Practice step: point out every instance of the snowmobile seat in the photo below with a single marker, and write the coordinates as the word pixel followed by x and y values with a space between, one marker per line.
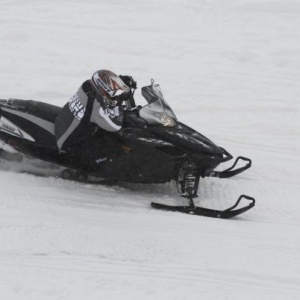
pixel 38 109
pixel 35 118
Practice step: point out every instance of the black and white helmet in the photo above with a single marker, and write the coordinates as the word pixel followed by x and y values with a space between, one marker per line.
pixel 109 85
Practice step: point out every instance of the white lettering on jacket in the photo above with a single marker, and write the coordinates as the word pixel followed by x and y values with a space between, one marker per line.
pixel 76 107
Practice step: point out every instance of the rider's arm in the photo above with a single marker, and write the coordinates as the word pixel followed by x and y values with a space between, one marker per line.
pixel 106 117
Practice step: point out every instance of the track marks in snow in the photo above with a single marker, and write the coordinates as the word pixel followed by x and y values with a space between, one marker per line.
pixel 137 279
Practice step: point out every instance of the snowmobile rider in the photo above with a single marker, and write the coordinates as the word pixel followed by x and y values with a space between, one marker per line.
pixel 95 107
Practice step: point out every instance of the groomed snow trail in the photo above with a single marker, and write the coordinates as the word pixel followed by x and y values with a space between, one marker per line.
pixel 229 70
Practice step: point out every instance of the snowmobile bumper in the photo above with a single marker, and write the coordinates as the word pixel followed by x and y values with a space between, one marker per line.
pixel 230 172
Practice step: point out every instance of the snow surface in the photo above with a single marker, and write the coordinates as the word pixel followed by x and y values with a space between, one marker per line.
pixel 231 70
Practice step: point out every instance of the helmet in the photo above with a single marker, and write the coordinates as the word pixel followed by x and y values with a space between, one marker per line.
pixel 108 85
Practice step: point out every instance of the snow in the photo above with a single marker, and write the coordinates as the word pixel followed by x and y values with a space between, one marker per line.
pixel 229 69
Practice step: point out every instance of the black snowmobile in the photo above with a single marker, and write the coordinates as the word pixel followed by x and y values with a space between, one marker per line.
pixel 154 147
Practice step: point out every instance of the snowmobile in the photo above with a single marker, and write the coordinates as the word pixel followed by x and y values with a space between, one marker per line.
pixel 154 148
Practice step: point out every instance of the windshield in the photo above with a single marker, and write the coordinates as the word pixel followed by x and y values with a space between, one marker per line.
pixel 157 111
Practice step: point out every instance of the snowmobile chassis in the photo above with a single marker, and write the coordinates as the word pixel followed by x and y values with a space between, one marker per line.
pixel 169 149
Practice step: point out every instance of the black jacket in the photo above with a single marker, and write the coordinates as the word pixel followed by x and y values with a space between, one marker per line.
pixel 83 115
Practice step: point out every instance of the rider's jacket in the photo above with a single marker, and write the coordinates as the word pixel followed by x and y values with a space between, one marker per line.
pixel 83 115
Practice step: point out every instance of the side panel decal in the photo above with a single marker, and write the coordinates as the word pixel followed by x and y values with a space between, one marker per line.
pixel 9 127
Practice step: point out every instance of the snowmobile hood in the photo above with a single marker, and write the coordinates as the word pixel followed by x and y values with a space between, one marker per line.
pixel 188 139
pixel 157 113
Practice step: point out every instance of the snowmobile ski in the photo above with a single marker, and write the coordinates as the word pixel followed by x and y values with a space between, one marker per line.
pixel 207 212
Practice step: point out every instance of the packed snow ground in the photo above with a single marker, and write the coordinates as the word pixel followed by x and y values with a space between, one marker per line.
pixel 231 70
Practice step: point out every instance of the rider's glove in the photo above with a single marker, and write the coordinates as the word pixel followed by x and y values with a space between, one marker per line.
pixel 129 81
pixel 123 97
